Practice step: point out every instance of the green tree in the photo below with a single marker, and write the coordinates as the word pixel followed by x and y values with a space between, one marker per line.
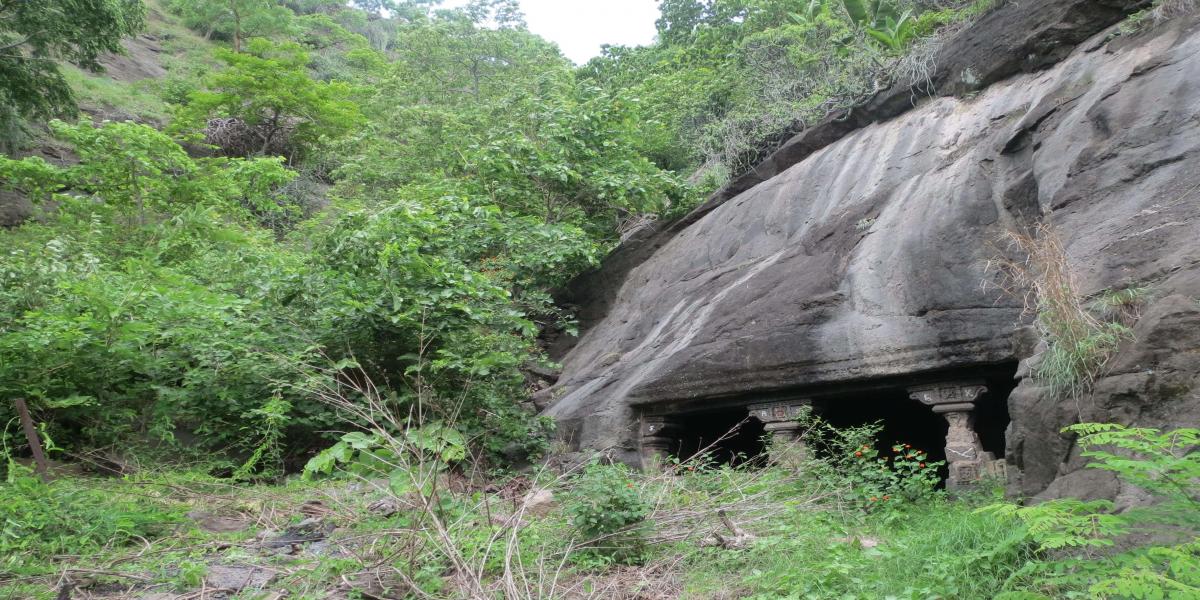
pixel 376 8
pixel 35 36
pixel 146 301
pixel 235 20
pixel 269 90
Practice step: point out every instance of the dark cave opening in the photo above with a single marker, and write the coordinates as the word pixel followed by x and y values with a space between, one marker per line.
pixel 903 420
pixel 907 421
pixel 728 436
pixel 991 413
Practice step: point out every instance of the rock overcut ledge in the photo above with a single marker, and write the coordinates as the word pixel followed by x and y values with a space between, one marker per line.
pixel 860 250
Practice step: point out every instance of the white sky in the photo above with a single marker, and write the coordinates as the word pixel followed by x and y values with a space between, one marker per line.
pixel 579 27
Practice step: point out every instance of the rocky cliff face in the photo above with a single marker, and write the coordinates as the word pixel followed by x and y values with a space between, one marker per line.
pixel 859 252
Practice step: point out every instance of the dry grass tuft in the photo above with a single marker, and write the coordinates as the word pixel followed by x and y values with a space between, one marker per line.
pixel 1080 345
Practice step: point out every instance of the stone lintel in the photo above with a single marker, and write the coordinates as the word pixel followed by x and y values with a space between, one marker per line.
pixel 948 392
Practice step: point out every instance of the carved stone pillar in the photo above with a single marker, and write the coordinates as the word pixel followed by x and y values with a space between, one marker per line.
pixel 955 400
pixel 658 438
pixel 779 420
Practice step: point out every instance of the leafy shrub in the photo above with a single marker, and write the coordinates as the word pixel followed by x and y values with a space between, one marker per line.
pixel 433 447
pixel 878 480
pixel 1089 535
pixel 147 306
pixel 269 104
pixel 608 513
pixel 849 459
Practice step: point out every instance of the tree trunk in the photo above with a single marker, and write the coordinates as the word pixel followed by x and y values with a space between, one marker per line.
pixel 35 443
pixel 237 26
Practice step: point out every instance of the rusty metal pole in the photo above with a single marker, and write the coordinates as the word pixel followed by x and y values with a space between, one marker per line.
pixel 35 442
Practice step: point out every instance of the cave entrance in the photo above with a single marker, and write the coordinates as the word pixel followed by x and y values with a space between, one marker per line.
pixel 729 437
pixel 925 423
pixel 959 417
pixel 904 420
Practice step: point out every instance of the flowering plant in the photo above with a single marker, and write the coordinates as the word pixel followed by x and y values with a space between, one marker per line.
pixel 877 479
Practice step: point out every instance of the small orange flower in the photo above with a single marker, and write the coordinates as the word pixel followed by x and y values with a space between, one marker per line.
pixel 887 497
pixel 873 498
pixel 629 485
pixel 922 465
pixel 908 445
pixel 859 453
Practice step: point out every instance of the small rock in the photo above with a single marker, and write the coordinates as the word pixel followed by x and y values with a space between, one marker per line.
pixel 539 502
pixel 218 523
pixel 315 508
pixel 237 577
pixel 384 507
pixel 309 524
pixel 308 530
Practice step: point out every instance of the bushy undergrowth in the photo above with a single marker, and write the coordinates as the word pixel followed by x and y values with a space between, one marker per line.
pixel 413 521
pixel 1098 548
pixel 166 317
pixel 170 300
pixel 607 509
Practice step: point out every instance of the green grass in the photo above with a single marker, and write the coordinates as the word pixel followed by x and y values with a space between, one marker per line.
pixel 100 93
pixel 185 56
pixel 808 538
pixel 941 549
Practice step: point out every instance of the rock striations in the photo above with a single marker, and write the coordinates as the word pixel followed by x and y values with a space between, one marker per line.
pixel 860 250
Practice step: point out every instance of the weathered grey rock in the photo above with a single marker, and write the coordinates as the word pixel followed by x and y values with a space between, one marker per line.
pixel 539 502
pixel 867 258
pixel 14 209
pixel 238 577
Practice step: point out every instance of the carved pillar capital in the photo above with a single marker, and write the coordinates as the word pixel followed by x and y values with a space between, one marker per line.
pixel 779 421
pixel 779 412
pixel 948 395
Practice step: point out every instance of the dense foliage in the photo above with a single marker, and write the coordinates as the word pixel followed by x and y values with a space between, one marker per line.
pixel 179 287
pixel 387 183
pixel 34 36
pixel 729 79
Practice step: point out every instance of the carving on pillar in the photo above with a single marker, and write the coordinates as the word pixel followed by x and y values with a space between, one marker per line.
pixel 658 435
pixel 779 420
pixel 777 412
pixel 955 400
pixel 953 392
pixel 962 443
